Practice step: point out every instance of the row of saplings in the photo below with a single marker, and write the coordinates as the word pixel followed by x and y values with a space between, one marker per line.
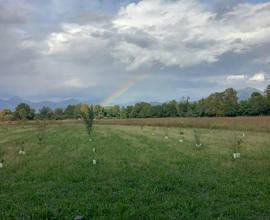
pixel 87 115
pixel 197 136
pixel 20 143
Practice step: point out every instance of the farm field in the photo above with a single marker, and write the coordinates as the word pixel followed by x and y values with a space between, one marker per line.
pixel 137 176
pixel 260 123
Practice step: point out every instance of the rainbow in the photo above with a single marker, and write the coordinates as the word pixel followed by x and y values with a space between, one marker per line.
pixel 123 90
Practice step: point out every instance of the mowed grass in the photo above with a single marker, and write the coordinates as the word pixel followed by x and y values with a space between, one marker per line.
pixel 137 176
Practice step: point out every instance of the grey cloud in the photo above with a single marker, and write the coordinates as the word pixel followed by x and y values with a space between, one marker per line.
pixel 222 7
pixel 264 9
pixel 88 17
pixel 8 16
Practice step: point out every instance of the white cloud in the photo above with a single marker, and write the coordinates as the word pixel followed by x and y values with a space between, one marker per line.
pixel 75 83
pixel 183 33
pixel 236 77
pixel 258 77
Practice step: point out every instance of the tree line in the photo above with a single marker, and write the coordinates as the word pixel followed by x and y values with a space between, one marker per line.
pixel 217 104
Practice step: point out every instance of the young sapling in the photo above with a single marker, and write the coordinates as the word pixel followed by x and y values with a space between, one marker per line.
pixel 166 133
pixel 40 136
pixel 1 163
pixel 22 152
pixel 87 115
pixel 181 133
pixel 197 135
pixel 141 127
pixel 153 131
pixel 237 147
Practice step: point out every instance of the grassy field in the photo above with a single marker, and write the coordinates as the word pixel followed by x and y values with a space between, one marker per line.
pixel 137 176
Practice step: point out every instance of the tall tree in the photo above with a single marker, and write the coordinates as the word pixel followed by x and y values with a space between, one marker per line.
pixel 58 111
pixel 123 112
pixel 69 110
pixel 183 106
pixel 129 110
pixel 200 108
pixel 259 105
pixel 25 112
pixel 46 112
pixel 244 108
pixel 96 110
pixel 77 110
pixel 5 112
pixel 116 111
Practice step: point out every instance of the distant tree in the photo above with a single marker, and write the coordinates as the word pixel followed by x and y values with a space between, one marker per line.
pixel 110 112
pixel 145 111
pixel 96 110
pixel 230 95
pixel 244 108
pixel 169 110
pixel 193 110
pixel 157 111
pixel 23 113
pixel 123 112
pixel 259 105
pixel 46 112
pixel 200 108
pixel 69 110
pixel 77 110
pixel 229 109
pixel 85 110
pixel 116 111
pixel 129 110
pixel 173 102
pixel 137 108
pixel 267 90
pixel 183 106
pixel 218 103
pixel 32 113
pixel 5 112
pixel 102 112
pixel 254 94
pixel 26 112
pixel 209 105
pixel 58 111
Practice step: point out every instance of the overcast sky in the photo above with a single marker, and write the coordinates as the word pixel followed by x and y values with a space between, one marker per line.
pixel 89 50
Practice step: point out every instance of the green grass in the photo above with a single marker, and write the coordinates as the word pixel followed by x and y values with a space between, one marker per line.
pixel 137 176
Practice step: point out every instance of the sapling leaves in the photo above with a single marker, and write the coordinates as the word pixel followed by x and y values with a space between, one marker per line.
pixel 197 135
pixel 88 116
pixel 238 145
pixel 40 136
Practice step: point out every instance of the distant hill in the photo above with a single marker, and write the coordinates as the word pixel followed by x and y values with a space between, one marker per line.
pixel 14 101
pixel 245 93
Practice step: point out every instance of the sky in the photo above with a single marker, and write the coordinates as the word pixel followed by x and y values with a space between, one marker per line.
pixel 122 51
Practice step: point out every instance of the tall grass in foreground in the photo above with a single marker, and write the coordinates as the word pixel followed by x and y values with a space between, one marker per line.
pixel 138 176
